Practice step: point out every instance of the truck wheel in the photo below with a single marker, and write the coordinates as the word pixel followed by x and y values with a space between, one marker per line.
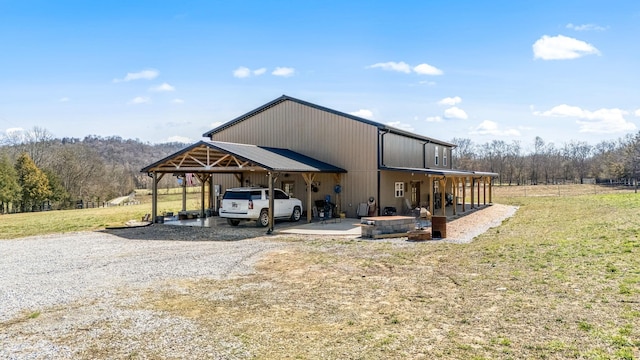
pixel 263 220
pixel 233 222
pixel 295 216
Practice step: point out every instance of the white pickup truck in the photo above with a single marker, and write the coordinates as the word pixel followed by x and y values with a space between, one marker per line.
pixel 251 203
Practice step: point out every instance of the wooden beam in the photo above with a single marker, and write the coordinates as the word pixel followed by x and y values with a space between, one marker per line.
pixel 308 179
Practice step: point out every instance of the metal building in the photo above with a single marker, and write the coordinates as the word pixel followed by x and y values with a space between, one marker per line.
pixel 313 152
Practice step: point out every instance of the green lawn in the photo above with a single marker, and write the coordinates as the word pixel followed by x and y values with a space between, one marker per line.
pixel 58 221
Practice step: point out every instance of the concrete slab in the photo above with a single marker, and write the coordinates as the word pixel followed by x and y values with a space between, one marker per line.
pixel 341 227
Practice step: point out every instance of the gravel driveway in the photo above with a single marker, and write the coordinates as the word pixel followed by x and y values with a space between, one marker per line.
pixel 87 269
pixel 68 296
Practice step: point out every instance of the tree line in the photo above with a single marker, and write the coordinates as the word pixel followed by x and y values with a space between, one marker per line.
pixel 609 161
pixel 38 171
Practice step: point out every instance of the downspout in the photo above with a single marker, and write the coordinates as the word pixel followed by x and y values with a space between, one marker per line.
pixel 380 163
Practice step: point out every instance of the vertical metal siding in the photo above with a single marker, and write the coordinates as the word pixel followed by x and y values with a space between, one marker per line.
pixel 337 140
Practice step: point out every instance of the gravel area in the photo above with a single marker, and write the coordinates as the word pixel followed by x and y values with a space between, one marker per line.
pixel 72 281
pixel 92 283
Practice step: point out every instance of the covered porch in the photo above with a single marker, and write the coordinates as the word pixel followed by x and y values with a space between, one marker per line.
pixel 467 190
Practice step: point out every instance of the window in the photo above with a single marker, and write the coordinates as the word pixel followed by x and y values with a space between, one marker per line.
pixel 399 189
pixel 444 157
pixel 287 187
pixel 437 160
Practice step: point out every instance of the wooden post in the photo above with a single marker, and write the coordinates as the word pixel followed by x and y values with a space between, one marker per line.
pixel 271 203
pixel 431 208
pixel 478 199
pixel 484 190
pixel 491 190
pixel 308 179
pixel 454 194
pixel 473 191
pixel 464 193
pixel 184 192
pixel 154 198
pixel 202 189
pixel 443 192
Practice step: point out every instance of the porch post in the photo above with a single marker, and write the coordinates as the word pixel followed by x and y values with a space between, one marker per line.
pixel 431 208
pixel 184 192
pixel 491 190
pixel 203 182
pixel 271 203
pixel 454 191
pixel 484 190
pixel 154 198
pixel 473 192
pixel 308 179
pixel 464 193
pixel 443 193
pixel 478 199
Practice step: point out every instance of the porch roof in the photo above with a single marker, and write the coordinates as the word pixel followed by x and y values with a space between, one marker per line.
pixel 440 172
pixel 226 157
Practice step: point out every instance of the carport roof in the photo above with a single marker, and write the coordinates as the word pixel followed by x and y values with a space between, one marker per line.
pixel 439 172
pixel 226 157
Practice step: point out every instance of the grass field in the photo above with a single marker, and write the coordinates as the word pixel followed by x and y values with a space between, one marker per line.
pixel 559 280
pixel 58 221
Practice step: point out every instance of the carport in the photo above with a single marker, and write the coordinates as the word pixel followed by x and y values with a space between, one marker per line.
pixel 206 158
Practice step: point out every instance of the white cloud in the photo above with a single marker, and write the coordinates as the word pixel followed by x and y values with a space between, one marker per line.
pixel 434 119
pixel 215 124
pixel 489 127
pixel 179 139
pixel 162 87
pixel 561 48
pixel 242 72
pixel 177 101
pixel 144 75
pixel 450 101
pixel 455 113
pixel 426 69
pixel 637 113
pixel 403 67
pixel 401 126
pixel 283 71
pixel 602 121
pixel 586 27
pixel 140 100
pixel 64 99
pixel 363 113
pixel 393 66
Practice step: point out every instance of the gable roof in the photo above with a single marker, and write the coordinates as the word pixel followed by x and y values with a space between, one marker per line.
pixel 225 157
pixel 284 98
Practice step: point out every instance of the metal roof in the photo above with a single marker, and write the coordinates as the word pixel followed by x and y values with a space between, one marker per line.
pixel 283 98
pixel 439 172
pixel 226 157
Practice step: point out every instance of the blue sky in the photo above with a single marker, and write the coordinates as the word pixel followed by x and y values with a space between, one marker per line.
pixel 171 70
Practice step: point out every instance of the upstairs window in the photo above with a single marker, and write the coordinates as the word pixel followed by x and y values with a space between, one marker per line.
pixel 444 157
pixel 437 159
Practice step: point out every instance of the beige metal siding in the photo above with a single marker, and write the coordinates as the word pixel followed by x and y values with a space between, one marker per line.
pixel 387 189
pixel 340 141
pixel 402 151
